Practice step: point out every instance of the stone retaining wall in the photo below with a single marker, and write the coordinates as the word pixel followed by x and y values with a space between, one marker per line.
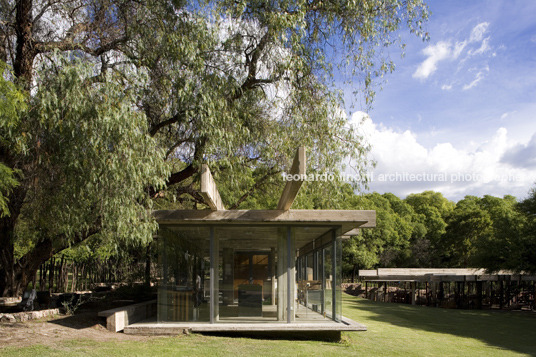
pixel 28 315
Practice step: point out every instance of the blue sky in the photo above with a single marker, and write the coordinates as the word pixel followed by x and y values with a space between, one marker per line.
pixel 459 113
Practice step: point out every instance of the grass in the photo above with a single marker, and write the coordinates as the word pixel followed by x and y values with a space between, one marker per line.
pixel 393 330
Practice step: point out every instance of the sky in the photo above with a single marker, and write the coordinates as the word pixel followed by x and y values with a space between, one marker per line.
pixel 458 115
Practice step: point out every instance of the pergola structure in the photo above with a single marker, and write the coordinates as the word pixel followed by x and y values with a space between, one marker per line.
pixel 272 270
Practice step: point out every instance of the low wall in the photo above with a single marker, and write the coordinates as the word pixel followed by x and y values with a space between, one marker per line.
pixel 117 319
pixel 28 315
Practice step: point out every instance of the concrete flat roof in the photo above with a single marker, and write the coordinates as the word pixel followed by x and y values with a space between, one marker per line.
pixel 347 219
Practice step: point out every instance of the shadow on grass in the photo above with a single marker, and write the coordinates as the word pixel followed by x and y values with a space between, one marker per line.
pixel 515 331
pixel 79 321
pixel 325 336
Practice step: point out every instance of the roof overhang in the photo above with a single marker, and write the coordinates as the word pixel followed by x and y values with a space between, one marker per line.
pixel 347 219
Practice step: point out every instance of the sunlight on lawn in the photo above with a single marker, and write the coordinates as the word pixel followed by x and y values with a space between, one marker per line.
pixel 393 330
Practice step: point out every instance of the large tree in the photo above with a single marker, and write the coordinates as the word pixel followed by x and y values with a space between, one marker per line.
pixel 432 210
pixel 468 226
pixel 509 246
pixel 238 84
pixel 83 164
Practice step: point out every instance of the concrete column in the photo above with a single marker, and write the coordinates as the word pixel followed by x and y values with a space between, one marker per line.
pixel 324 277
pixel 334 281
pixel 286 276
pixel 281 276
pixel 272 274
pixel 291 275
pixel 214 278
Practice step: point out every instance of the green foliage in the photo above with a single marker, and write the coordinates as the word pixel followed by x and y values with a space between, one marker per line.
pixel 241 85
pixel 238 85
pixel 505 247
pixel 362 32
pixel 93 159
pixel 467 226
pixel 386 244
pixel 12 106
pixel 8 181
pixel 427 230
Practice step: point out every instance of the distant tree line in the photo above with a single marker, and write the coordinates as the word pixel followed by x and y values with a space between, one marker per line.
pixel 427 230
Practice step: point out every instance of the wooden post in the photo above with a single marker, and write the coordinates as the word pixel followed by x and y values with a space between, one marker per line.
pixel 412 285
pixel 508 289
pixel 426 293
pixel 441 293
pixel 501 293
pixel 479 294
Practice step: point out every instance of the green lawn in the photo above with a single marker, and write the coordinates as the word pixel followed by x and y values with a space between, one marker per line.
pixel 393 330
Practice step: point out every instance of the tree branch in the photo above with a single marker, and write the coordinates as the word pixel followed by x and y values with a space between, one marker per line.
pixel 68 45
pixel 252 60
pixel 177 117
pixel 254 188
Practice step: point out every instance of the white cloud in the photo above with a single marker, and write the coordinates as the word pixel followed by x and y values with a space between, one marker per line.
pixel 478 32
pixel 446 87
pixel 483 48
pixel 458 48
pixel 478 77
pixel 435 53
pixel 452 50
pixel 521 155
pixel 496 166
pixel 507 114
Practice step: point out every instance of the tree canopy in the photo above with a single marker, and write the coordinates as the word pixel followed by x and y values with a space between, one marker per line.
pixel 112 103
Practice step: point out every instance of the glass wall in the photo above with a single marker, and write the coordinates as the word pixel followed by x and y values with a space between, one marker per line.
pixel 320 274
pixel 247 272
pixel 230 273
pixel 184 274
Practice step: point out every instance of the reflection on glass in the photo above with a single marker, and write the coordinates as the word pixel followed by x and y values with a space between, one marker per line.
pixel 319 275
pixel 257 275
pixel 184 279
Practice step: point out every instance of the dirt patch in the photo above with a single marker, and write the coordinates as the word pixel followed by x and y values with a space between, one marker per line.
pixel 85 325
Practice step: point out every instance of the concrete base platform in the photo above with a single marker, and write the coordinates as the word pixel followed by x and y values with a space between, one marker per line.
pixel 175 328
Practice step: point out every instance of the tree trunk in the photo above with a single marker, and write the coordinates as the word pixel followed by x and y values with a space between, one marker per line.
pixel 25 50
pixel 7 275
pixel 51 265
pixel 7 236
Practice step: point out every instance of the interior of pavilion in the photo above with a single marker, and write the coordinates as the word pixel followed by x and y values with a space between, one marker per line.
pixel 233 273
